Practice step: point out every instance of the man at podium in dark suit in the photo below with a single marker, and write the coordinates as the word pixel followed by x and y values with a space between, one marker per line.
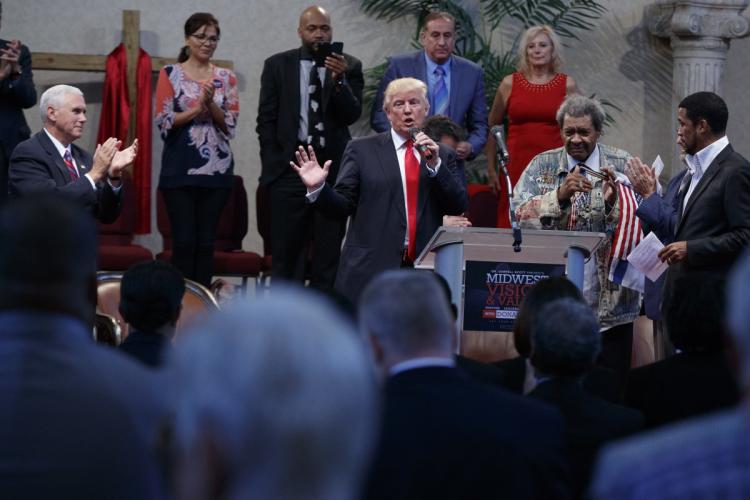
pixel 50 162
pixel 396 190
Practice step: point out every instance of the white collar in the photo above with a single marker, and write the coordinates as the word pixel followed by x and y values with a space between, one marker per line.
pixel 58 145
pixel 705 156
pixel 398 140
pixel 413 364
pixel 592 161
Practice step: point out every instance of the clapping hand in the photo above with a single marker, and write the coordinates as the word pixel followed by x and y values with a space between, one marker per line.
pixel 308 169
pixel 207 93
pixel 103 158
pixel 122 159
pixel 9 57
pixel 609 187
pixel 641 177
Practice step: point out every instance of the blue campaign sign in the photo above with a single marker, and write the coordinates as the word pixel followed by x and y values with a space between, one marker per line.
pixel 493 292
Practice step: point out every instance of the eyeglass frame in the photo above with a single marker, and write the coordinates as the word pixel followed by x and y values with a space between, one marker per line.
pixel 202 39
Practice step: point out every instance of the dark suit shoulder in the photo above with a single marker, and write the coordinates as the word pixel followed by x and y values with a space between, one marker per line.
pixel 463 64
pixel 282 56
pixel 409 57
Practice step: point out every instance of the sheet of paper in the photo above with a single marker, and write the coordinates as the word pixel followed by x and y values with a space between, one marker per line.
pixel 658 166
pixel 645 257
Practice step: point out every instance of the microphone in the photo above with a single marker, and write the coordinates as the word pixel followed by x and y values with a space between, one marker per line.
pixel 502 165
pixel 502 149
pixel 424 151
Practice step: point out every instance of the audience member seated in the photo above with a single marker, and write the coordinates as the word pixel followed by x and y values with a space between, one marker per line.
pixel 445 435
pixel 150 302
pixel 706 457
pixel 698 379
pixel 274 399
pixel 76 418
pixel 518 374
pixel 565 343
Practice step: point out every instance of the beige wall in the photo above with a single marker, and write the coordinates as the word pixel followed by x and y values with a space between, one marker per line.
pixel 618 60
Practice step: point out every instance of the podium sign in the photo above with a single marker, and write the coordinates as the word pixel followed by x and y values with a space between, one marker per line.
pixel 453 249
pixel 493 292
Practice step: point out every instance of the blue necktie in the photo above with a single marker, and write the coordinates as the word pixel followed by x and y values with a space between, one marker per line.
pixel 440 93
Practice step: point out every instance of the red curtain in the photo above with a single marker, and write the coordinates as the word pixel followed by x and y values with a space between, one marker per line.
pixel 114 123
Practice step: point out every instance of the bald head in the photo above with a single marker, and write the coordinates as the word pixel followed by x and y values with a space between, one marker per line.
pixel 314 27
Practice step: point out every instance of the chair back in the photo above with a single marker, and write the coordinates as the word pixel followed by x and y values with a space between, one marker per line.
pixel 482 210
pixel 197 302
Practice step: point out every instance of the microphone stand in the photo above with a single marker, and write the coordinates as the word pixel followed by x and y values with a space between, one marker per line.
pixel 503 166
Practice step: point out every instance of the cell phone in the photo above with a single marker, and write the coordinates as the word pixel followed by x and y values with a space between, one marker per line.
pixel 325 49
pixel 218 83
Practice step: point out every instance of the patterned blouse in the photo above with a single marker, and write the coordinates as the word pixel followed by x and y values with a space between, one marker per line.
pixel 197 153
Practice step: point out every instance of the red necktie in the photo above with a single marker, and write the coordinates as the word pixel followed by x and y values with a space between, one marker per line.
pixel 411 166
pixel 68 159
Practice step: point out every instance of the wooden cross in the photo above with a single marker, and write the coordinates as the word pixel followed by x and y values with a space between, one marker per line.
pixel 131 37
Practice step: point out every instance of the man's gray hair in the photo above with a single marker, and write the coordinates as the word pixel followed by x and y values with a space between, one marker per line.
pixel 54 97
pixel 577 106
pixel 286 390
pixel 738 314
pixel 408 312
pixel 565 338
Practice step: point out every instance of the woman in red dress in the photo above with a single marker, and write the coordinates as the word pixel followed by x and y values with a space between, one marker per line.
pixel 530 98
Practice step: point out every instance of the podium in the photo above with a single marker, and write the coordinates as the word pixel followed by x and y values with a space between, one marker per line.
pixel 451 247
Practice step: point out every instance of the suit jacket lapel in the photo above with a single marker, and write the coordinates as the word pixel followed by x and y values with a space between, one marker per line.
pixel 453 94
pixel 391 170
pixel 293 89
pixel 55 157
pixel 80 161
pixel 327 89
pixel 424 189
pixel 708 176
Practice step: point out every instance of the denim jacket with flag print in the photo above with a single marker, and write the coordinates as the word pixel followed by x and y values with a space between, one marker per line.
pixel 537 207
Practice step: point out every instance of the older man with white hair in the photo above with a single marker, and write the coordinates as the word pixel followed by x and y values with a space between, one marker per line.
pixel 707 457
pixel 274 398
pixel 50 162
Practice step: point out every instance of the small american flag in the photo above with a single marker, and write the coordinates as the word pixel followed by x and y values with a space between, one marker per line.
pixel 627 236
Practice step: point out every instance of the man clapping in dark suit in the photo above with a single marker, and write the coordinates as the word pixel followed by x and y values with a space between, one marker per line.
pixel 50 162
pixel 396 190
pixel 305 101
pixel 709 215
pixel 445 435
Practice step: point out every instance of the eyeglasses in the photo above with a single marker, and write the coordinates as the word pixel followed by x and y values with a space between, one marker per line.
pixel 203 39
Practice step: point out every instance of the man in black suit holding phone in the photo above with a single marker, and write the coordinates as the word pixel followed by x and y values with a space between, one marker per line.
pixel 309 96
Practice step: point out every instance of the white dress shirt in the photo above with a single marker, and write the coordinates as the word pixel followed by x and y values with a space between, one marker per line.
pixel 700 162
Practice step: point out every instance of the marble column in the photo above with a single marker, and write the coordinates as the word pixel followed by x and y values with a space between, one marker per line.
pixel 699 32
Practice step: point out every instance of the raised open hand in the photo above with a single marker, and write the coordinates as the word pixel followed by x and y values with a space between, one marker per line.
pixel 309 170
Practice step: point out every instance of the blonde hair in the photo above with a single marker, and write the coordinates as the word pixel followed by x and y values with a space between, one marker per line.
pixel 528 35
pixel 404 85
